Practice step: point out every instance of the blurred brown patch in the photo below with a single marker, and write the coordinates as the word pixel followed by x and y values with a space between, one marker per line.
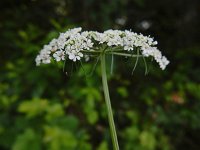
pixel 177 98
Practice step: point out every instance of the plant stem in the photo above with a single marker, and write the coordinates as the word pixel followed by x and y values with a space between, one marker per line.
pixel 108 103
pixel 124 54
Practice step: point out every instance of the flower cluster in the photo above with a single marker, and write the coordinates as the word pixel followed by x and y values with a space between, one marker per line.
pixel 74 44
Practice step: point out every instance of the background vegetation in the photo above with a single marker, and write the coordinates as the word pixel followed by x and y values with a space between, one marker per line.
pixel 44 108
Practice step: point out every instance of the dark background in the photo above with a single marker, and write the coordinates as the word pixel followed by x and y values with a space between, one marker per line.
pixel 43 108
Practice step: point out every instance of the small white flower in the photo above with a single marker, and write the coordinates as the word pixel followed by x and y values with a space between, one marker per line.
pixel 38 60
pixel 61 41
pixel 59 55
pixel 73 55
pixel 163 63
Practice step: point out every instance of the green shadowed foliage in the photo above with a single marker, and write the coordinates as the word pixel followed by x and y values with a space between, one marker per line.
pixel 56 108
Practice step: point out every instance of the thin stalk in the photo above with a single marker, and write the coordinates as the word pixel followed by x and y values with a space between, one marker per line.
pixel 90 51
pixel 124 54
pixel 108 103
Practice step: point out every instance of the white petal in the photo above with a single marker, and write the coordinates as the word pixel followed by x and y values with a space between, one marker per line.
pixel 78 58
pixel 71 56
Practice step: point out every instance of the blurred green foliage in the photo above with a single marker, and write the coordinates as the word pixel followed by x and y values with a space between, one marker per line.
pixel 48 108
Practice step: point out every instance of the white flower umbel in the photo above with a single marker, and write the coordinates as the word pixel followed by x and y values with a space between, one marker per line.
pixel 76 45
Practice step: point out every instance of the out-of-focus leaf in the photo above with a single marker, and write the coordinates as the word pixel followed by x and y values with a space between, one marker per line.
pixel 59 139
pixel 33 107
pixel 148 140
pixel 29 140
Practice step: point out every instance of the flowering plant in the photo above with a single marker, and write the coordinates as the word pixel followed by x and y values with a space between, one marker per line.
pixel 75 45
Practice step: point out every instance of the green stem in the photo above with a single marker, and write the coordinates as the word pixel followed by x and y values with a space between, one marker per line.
pixel 124 54
pixel 108 103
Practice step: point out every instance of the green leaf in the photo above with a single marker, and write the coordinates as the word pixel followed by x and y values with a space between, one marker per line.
pixel 54 111
pixel 59 139
pixel 92 117
pixel 122 91
pixel 33 107
pixel 29 140
pixel 103 146
pixel 147 140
